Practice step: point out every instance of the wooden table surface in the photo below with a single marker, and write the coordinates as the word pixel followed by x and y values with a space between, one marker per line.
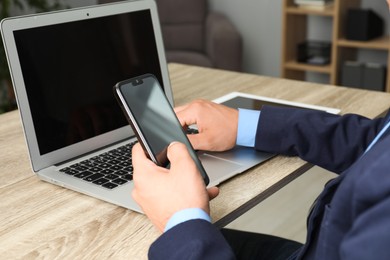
pixel 43 221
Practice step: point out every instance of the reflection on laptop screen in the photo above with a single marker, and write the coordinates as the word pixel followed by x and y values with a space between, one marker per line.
pixel 69 71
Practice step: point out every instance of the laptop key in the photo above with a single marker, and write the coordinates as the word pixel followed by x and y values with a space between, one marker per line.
pixel 95 169
pixel 119 181
pixel 94 177
pixel 116 167
pixel 75 165
pixel 104 165
pixel 83 174
pixel 128 177
pixel 101 181
pixel 65 169
pixel 125 163
pixel 128 169
pixel 108 157
pixel 80 168
pixel 121 172
pixel 111 176
pixel 123 158
pixel 114 162
pixel 88 163
pixel 109 185
pixel 106 171
pixel 71 172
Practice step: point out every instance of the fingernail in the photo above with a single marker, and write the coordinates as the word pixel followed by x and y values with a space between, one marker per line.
pixel 173 143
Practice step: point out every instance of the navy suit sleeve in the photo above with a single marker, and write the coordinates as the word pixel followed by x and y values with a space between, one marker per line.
pixel 331 141
pixel 194 239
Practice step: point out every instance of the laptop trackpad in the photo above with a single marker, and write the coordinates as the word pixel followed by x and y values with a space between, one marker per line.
pixel 218 169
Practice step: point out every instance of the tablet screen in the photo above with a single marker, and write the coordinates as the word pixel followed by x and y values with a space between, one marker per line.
pixel 254 104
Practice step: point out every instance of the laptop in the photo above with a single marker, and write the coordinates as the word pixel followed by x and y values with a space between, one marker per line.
pixel 63 66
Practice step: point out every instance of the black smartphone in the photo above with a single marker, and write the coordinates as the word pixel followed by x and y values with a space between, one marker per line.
pixel 153 119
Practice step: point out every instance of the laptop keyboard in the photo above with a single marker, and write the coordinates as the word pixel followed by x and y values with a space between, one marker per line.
pixel 109 170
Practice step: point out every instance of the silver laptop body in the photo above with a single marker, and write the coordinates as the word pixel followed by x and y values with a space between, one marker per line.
pixel 63 66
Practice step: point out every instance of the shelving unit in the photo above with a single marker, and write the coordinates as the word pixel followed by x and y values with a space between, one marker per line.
pixel 295 23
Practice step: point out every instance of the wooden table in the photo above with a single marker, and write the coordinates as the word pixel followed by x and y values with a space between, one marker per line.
pixel 41 220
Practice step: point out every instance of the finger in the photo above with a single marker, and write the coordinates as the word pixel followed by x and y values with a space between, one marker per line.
pixel 196 141
pixel 180 108
pixel 138 154
pixel 139 159
pixel 177 153
pixel 181 159
pixel 213 192
pixel 186 117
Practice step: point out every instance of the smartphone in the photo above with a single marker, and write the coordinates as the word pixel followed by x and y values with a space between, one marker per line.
pixel 153 119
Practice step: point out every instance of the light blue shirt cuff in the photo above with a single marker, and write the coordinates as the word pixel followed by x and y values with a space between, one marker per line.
pixel 247 127
pixel 185 215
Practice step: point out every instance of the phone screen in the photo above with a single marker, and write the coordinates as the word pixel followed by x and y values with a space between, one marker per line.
pixel 153 119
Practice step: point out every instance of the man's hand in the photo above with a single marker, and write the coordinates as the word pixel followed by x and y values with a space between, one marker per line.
pixel 217 125
pixel 162 192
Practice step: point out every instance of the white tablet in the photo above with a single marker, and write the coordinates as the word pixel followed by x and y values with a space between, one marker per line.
pixel 249 101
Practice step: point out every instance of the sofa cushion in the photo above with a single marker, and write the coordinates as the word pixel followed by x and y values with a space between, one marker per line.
pixel 182 11
pixel 184 37
pixel 182 23
pixel 192 58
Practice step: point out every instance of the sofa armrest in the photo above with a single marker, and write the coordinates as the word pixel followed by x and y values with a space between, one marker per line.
pixel 223 42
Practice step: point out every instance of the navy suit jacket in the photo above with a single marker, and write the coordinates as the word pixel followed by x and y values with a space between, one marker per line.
pixel 351 217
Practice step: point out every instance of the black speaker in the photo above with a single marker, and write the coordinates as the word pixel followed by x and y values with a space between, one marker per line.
pixel 363 25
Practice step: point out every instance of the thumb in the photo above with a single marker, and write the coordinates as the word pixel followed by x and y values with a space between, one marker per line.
pixel 178 154
pixel 182 162
pixel 213 192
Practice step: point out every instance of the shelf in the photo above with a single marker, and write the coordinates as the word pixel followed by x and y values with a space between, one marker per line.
pixel 382 43
pixel 293 65
pixel 295 31
pixel 326 11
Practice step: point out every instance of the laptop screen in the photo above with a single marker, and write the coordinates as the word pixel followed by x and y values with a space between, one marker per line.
pixel 70 69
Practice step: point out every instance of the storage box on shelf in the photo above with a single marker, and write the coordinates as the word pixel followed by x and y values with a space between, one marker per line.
pixel 294 32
